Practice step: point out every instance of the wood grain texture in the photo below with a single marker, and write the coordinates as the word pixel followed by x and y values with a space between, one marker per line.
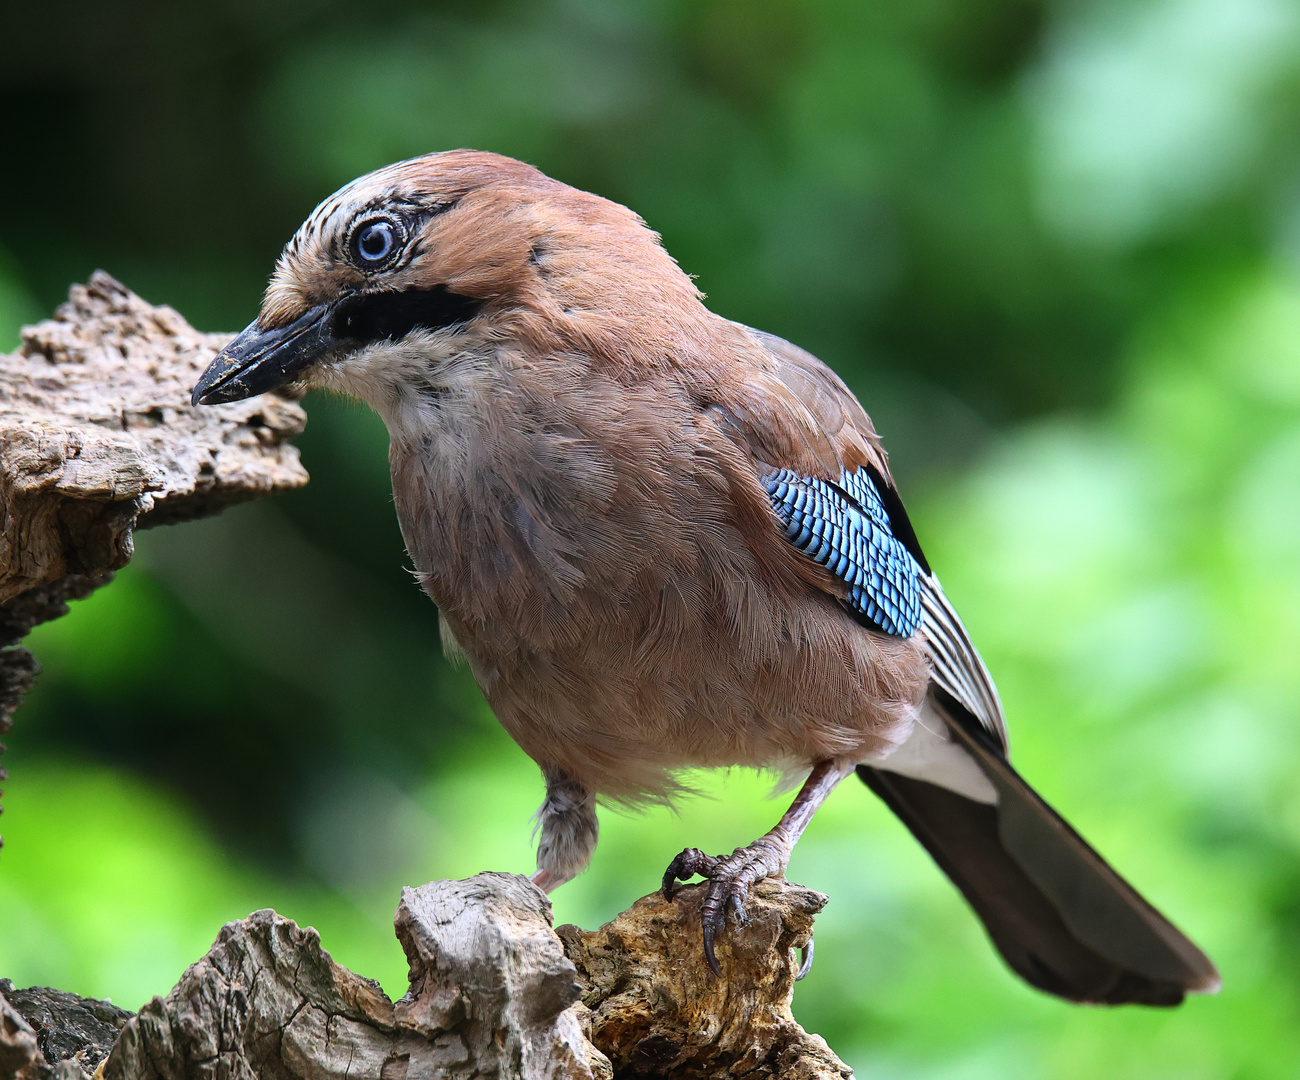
pixel 656 1010
pixel 494 992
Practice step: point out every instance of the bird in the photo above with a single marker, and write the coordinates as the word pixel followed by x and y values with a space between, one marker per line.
pixel 664 540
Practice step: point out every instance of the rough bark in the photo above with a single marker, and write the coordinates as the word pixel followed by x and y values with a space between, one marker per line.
pixel 494 992
pixel 46 1033
pixel 20 1056
pixel 98 438
pixel 657 1010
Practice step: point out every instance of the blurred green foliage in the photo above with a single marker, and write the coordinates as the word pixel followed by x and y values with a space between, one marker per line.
pixel 1053 247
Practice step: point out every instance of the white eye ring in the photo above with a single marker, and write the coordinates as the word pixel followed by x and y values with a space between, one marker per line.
pixel 373 242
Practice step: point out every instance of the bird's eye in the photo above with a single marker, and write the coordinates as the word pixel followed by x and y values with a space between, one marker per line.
pixel 373 242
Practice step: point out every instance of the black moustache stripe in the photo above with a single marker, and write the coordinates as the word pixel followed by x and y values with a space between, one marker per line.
pixel 390 316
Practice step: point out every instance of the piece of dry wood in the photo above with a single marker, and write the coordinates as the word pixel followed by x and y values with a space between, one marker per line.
pixel 47 1033
pixel 657 1010
pixel 98 438
pixel 494 992
pixel 20 1055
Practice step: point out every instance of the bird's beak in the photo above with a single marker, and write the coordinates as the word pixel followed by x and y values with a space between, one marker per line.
pixel 260 360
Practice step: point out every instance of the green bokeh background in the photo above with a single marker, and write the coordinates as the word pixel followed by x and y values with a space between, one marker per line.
pixel 1054 247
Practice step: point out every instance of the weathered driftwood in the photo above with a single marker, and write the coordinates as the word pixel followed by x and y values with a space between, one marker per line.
pixel 97 439
pixel 494 992
pixel 491 995
pixel 656 1010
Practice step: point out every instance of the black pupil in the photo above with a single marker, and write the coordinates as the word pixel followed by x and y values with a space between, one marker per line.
pixel 376 241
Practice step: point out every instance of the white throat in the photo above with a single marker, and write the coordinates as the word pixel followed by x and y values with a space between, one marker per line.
pixel 414 383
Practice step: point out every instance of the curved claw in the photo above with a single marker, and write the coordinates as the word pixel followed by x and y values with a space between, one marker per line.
pixel 729 881
pixel 718 900
pixel 805 961
pixel 690 862
pixel 731 876
pixel 708 948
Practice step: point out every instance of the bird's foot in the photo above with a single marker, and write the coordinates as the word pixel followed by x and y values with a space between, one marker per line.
pixel 729 877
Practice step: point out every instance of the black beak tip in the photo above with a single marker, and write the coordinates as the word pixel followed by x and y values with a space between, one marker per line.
pixel 216 385
pixel 213 392
pixel 258 360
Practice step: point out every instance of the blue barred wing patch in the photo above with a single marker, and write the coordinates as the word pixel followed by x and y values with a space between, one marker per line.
pixel 845 527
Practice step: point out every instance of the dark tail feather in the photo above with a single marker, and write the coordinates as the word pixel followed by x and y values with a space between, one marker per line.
pixel 1060 916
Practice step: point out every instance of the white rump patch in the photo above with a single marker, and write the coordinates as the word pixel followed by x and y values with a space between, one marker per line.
pixel 930 754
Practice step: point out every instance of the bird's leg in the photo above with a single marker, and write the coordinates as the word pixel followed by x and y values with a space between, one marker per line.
pixel 730 876
pixel 568 827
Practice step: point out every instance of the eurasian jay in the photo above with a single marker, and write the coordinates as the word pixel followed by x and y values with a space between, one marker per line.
pixel 664 540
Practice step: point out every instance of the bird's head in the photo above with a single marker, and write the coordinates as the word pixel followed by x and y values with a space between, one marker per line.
pixel 444 246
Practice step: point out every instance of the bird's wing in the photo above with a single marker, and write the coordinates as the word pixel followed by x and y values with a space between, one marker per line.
pixel 827 476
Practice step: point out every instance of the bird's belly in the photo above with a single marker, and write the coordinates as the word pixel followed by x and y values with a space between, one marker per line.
pixel 627 619
pixel 622 719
